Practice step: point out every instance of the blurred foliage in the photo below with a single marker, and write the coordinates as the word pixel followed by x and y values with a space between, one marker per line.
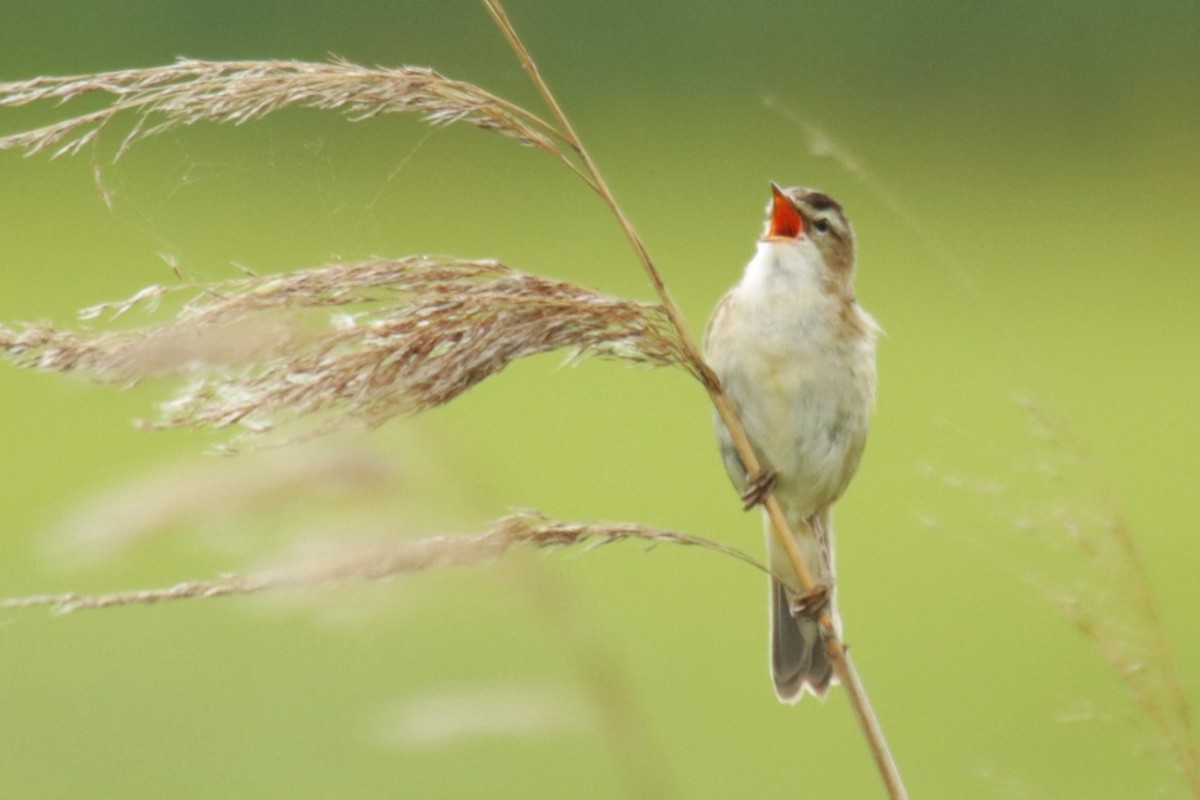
pixel 1025 197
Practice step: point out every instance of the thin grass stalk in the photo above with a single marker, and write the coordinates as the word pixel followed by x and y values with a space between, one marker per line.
pixel 843 666
pixel 644 766
pixel 1172 715
pixel 1181 739
pixel 1180 734
pixel 696 361
pixel 189 91
pixel 529 529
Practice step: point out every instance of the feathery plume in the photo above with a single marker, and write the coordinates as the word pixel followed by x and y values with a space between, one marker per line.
pixel 529 529
pixel 1069 540
pixel 190 91
pixel 218 494
pixel 424 330
pixel 447 717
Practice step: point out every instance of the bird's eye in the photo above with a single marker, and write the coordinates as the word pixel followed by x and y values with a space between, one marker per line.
pixel 822 225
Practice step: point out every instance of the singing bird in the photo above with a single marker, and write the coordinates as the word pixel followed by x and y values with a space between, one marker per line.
pixel 795 354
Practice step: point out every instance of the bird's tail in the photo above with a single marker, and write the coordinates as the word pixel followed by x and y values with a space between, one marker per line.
pixel 799 659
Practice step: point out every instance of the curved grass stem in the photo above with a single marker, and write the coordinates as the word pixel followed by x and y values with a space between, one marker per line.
pixel 843 666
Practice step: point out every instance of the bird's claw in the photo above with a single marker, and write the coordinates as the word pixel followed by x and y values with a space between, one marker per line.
pixel 810 604
pixel 759 486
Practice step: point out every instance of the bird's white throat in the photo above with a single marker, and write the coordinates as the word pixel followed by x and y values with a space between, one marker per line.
pixel 783 267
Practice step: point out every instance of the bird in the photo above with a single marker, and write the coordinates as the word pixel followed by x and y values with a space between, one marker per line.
pixel 795 356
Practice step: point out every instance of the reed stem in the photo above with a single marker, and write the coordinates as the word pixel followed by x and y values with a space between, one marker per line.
pixel 843 666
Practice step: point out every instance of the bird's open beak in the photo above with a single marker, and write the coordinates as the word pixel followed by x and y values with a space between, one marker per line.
pixel 786 222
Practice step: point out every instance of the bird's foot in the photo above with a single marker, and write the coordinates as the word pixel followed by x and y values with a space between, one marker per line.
pixel 812 603
pixel 759 485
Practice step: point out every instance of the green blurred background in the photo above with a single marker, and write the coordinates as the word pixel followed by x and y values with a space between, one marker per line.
pixel 1028 182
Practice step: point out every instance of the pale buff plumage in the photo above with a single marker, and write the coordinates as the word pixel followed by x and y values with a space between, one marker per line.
pixel 796 356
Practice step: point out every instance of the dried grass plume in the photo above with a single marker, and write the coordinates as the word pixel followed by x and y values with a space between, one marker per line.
pixel 190 91
pixel 372 340
pixel 404 557
pixel 1058 528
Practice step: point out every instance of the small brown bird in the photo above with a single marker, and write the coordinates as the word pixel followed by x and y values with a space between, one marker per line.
pixel 796 356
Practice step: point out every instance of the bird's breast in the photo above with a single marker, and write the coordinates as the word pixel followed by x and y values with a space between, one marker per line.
pixel 804 386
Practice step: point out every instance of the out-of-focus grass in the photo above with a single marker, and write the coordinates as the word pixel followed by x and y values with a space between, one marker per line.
pixel 1048 149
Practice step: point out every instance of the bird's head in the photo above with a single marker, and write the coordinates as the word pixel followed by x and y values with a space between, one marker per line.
pixel 795 214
